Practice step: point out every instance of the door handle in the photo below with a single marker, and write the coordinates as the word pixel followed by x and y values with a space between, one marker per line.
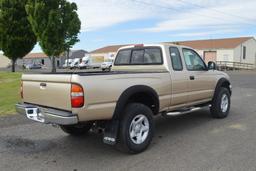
pixel 192 77
pixel 43 84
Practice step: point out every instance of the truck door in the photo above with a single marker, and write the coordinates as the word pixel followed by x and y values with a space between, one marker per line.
pixel 201 81
pixel 179 79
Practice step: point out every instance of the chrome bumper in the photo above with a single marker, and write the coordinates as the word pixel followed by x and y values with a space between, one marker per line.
pixel 46 115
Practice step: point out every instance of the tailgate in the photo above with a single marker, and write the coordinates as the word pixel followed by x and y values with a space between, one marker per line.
pixel 47 90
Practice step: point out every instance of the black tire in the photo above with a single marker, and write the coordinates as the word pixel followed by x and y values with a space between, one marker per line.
pixel 77 130
pixel 125 142
pixel 103 69
pixel 216 109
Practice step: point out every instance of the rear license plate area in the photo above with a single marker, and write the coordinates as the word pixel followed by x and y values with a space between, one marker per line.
pixel 34 114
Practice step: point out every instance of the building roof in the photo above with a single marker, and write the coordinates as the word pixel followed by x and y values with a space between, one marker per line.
pixel 35 55
pixel 229 43
pixel 72 54
pixel 108 49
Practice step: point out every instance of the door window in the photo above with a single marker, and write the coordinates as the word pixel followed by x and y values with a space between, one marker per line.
pixel 193 61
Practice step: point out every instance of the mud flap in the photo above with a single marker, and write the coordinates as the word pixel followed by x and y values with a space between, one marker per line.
pixel 110 132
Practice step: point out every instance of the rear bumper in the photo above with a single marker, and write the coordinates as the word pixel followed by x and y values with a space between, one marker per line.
pixel 46 115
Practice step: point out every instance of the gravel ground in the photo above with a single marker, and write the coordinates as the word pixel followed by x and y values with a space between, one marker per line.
pixel 190 142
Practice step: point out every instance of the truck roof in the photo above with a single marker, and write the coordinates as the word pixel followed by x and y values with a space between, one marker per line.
pixel 150 45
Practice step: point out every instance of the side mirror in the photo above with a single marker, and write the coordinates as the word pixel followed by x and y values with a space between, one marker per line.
pixel 212 65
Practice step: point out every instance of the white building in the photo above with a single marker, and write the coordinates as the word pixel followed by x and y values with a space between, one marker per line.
pixel 105 54
pixel 240 50
pixel 4 61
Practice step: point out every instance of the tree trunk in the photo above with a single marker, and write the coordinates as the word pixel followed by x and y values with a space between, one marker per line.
pixel 13 65
pixel 53 65
pixel 68 58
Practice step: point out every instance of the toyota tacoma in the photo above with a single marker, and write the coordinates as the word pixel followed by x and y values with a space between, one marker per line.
pixel 146 80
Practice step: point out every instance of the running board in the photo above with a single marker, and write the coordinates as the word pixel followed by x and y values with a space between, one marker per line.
pixel 176 113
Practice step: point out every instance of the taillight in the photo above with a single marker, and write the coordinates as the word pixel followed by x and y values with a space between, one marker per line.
pixel 21 89
pixel 77 96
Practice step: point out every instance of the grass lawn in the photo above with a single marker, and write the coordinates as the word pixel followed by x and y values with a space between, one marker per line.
pixel 9 92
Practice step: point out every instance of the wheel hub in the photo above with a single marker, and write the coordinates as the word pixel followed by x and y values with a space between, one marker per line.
pixel 139 129
pixel 224 103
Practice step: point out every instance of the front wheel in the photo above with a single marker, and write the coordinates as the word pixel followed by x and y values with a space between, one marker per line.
pixel 221 104
pixel 77 130
pixel 136 128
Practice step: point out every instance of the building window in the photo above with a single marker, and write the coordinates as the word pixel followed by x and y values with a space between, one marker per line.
pixel 42 61
pixel 244 52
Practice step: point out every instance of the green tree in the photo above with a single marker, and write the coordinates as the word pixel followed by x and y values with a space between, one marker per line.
pixel 56 25
pixel 16 35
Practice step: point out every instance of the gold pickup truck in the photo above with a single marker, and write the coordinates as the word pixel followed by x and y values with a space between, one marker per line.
pixel 146 80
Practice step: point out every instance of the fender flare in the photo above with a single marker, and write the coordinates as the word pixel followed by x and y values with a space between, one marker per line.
pixel 220 84
pixel 127 94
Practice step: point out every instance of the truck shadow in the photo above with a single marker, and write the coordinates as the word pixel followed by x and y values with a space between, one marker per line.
pixel 166 128
pixel 178 124
pixel 92 147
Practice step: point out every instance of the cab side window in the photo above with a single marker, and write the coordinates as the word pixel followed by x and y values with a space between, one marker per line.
pixel 176 59
pixel 193 61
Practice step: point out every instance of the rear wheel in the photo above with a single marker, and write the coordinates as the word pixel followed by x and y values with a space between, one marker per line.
pixel 77 130
pixel 136 128
pixel 221 104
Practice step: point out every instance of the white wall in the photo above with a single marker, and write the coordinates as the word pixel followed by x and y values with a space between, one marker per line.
pixel 250 52
pixel 4 61
pixel 225 55
pixel 101 57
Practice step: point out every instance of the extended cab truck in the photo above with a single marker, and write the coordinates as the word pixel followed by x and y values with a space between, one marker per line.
pixel 146 80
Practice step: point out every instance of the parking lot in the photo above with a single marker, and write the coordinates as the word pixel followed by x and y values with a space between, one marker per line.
pixel 189 142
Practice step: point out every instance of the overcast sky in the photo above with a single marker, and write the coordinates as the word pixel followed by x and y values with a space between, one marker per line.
pixel 107 22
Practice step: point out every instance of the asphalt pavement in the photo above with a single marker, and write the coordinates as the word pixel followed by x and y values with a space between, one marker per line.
pixel 190 142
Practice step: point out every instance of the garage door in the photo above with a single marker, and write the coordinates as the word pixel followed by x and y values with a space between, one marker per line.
pixel 210 56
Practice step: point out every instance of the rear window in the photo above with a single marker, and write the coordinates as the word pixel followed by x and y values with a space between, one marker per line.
pixel 142 56
pixel 137 57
